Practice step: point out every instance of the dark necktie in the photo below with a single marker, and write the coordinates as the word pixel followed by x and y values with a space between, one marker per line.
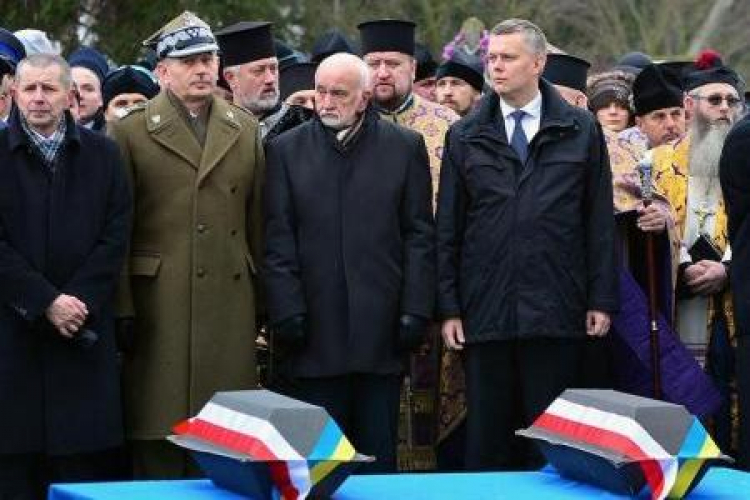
pixel 518 141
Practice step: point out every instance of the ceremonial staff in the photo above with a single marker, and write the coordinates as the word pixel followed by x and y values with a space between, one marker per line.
pixel 644 171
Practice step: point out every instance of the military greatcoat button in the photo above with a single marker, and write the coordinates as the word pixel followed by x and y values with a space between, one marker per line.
pixel 200 272
pixel 202 228
pixel 233 189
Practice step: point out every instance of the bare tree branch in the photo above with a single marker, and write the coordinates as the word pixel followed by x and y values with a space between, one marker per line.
pixel 710 26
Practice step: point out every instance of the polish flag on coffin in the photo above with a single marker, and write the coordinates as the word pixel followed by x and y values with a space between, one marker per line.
pixel 622 442
pixel 265 445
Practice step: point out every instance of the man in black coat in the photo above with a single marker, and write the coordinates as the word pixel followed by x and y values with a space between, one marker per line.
pixel 525 246
pixel 64 223
pixel 734 172
pixel 349 263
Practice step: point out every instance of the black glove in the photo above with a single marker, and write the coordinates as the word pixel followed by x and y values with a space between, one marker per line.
pixel 291 333
pixel 411 332
pixel 85 338
pixel 125 335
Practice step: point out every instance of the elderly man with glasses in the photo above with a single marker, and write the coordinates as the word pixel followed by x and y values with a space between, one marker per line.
pixel 688 173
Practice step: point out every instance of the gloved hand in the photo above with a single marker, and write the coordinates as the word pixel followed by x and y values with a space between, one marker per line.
pixel 291 333
pixel 411 332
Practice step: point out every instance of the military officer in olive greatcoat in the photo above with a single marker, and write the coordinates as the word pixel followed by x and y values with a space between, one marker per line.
pixel 196 165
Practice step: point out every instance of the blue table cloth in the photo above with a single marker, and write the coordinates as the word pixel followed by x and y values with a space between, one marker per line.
pixel 719 483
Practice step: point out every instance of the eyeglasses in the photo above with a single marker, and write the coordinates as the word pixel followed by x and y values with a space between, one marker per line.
pixel 716 99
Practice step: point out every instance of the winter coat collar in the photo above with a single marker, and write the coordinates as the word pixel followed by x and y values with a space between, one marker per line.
pixel 370 116
pixel 18 138
pixel 166 126
pixel 487 117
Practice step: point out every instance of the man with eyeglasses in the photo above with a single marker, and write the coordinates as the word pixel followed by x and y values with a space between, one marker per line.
pixel 687 172
pixel 196 162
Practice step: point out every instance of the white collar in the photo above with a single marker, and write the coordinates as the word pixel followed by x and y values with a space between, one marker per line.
pixel 533 108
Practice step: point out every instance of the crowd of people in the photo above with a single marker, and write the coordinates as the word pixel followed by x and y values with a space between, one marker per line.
pixel 430 250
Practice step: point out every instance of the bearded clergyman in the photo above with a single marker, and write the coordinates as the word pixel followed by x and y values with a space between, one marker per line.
pixel 687 172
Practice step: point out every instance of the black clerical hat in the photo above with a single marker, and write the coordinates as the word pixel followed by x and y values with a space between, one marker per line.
pixel 679 69
pixel 567 71
pixel 656 87
pixel 245 42
pixel 709 68
pixel 329 43
pixel 426 64
pixel 464 66
pixel 387 35
pixel 300 76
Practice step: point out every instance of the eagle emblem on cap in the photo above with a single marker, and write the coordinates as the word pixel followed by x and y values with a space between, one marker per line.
pixel 190 19
pixel 184 35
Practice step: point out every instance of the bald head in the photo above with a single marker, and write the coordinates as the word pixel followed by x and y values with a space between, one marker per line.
pixel 348 63
pixel 342 90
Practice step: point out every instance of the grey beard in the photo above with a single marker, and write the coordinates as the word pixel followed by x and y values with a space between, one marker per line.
pixel 260 106
pixel 334 123
pixel 706 141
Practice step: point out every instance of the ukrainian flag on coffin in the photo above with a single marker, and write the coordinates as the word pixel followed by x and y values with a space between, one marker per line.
pixel 265 445
pixel 622 442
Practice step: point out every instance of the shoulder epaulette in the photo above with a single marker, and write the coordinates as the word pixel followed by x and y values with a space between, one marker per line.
pixel 243 111
pixel 132 109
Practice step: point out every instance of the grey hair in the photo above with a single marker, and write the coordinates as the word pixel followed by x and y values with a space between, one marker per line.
pixel 533 35
pixel 44 60
pixel 350 60
pixel 236 67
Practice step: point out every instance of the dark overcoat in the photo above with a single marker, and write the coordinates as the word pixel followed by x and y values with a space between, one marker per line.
pixel 525 251
pixel 291 116
pixel 62 232
pixel 734 169
pixel 349 242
